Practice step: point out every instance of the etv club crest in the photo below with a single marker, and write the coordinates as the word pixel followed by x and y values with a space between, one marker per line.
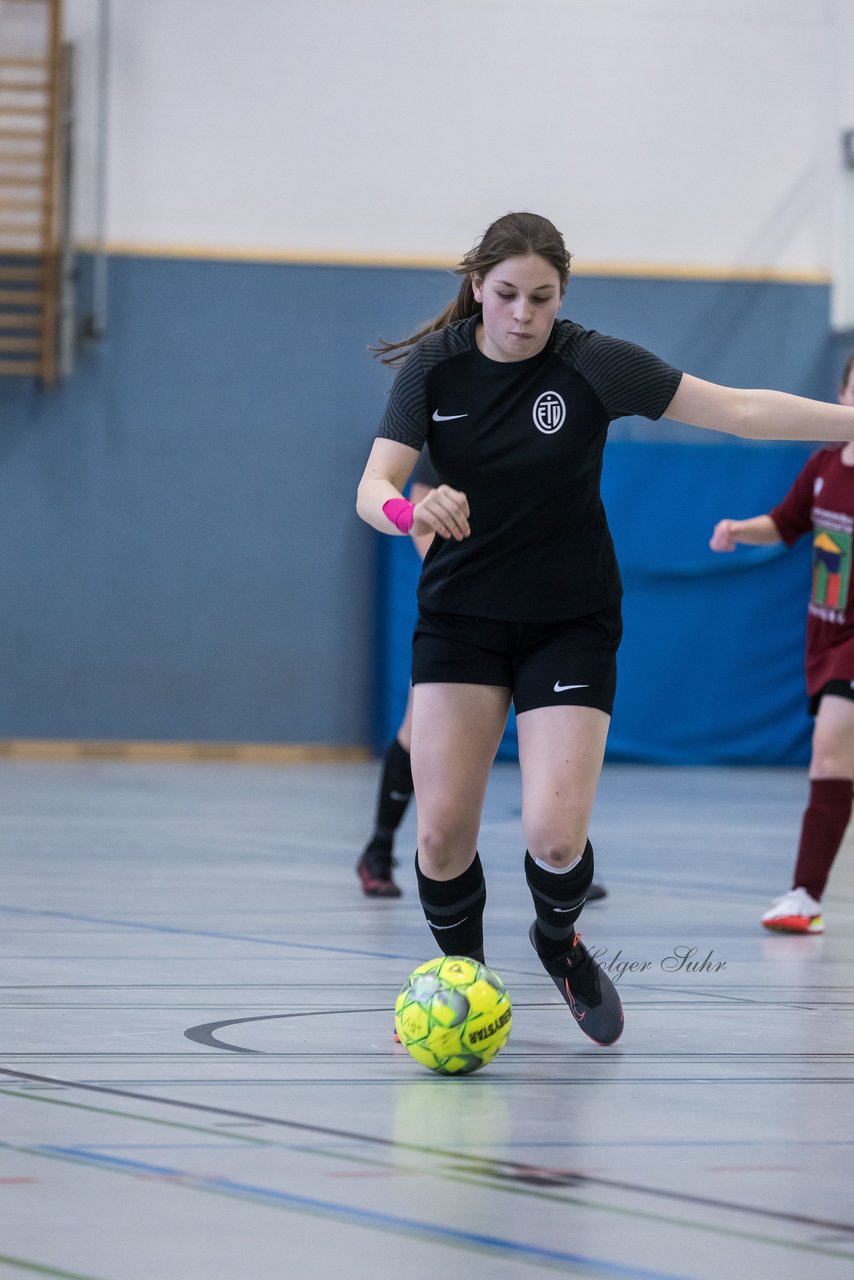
pixel 549 412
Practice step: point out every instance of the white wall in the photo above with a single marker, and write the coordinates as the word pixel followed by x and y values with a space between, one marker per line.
pixel 674 132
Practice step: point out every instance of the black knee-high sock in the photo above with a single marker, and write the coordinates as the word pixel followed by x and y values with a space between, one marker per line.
pixel 395 792
pixel 558 899
pixel 454 910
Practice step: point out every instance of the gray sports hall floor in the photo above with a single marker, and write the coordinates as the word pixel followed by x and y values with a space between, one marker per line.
pixel 198 1078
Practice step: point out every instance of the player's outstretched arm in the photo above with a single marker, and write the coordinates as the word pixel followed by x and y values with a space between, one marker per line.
pixel 757 414
pixel 758 531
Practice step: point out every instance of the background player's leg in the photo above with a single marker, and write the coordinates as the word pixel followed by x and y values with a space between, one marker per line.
pixel 824 822
pixel 374 867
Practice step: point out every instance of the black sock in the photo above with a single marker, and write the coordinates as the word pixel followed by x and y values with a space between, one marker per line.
pixel 394 795
pixel 454 910
pixel 558 899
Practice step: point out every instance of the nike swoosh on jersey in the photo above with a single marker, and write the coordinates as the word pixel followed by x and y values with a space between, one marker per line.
pixel 447 417
pixel 562 688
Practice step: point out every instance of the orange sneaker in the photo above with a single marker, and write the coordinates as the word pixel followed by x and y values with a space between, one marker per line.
pixel 796 912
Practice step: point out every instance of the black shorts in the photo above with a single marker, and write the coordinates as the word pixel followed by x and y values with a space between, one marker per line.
pixel 544 664
pixel 839 689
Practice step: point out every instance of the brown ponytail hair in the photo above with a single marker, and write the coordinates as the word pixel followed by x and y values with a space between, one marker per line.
pixel 513 236
pixel 846 372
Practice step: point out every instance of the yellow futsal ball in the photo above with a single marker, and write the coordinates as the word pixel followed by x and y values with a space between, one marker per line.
pixel 453 1014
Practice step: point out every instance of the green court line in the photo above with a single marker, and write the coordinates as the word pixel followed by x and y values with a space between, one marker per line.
pixel 592 1268
pixel 476 1168
pixel 131 1115
pixel 475 1165
pixel 686 1223
pixel 489 1180
pixel 36 1269
pixel 484 1179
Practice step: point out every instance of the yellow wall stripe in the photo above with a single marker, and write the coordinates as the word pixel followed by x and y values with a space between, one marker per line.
pixel 320 258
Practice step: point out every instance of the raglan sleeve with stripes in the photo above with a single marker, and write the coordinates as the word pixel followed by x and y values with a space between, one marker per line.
pixel 406 417
pixel 627 378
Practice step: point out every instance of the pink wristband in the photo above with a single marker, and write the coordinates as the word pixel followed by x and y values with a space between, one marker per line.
pixel 400 512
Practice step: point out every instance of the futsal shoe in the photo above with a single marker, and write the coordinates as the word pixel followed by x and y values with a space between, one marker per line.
pixel 374 869
pixel 796 912
pixel 596 892
pixel 586 988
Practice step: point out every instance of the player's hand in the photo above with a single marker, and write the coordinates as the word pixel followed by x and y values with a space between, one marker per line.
pixel 444 511
pixel 723 539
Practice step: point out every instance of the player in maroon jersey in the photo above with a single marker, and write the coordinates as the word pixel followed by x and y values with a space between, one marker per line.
pixel 820 503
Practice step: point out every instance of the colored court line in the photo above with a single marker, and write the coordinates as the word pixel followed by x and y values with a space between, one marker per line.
pixel 389 1166
pixel 481 1173
pixel 386 1168
pixel 36 1269
pixel 423 1229
pixel 131 1115
pixel 500 1168
pixel 687 1224
pixel 715 1145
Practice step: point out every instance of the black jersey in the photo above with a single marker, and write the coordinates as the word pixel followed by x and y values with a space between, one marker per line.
pixel 524 441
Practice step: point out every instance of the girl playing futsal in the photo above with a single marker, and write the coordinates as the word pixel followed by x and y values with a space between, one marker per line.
pixel 519 596
pixel 375 866
pixel 820 502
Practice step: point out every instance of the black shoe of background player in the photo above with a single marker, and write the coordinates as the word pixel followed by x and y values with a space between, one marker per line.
pixel 374 869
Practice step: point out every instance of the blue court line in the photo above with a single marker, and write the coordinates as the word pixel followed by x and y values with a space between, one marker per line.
pixel 201 933
pixel 363 1217
pixel 162 1146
